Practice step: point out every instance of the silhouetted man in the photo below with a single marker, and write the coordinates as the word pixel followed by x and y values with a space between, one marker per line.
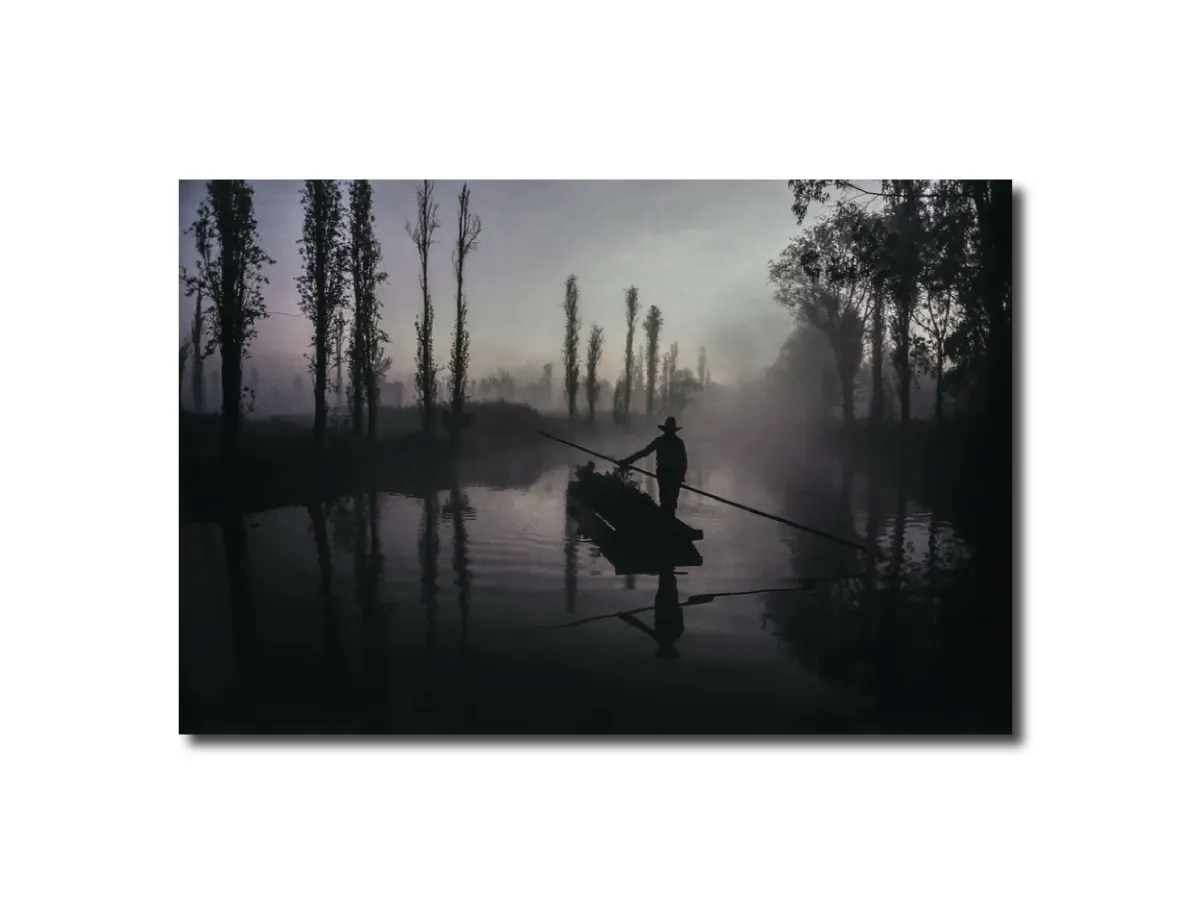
pixel 671 463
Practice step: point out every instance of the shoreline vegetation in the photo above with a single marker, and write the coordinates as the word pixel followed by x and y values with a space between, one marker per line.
pixel 278 464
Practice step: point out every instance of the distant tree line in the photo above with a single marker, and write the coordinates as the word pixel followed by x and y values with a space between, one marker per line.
pixel 660 387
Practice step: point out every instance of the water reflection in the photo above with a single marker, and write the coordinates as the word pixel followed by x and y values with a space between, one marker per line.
pixel 898 558
pixel 909 645
pixel 235 554
pixel 428 562
pixel 932 563
pixel 332 658
pixel 374 629
pixel 668 625
pixel 880 636
pixel 459 510
pixel 667 617
pixel 343 524
pixel 352 525
pixel 822 500
pixel 570 549
pixel 825 625
pixel 872 521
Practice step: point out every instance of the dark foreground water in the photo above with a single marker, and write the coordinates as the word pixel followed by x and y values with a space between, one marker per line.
pixel 454 614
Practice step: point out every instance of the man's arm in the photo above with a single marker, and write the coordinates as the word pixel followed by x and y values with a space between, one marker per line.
pixel 644 452
pixel 682 462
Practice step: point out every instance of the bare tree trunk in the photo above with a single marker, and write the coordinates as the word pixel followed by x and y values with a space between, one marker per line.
pixel 458 360
pixel 339 363
pixel 373 404
pixel 230 356
pixel 595 350
pixel 903 379
pixel 371 389
pixel 422 235
pixel 231 377
pixel 939 381
pixel 321 266
pixel 901 355
pixel 468 230
pixel 847 394
pixel 320 386
pixel 876 404
pixel 357 367
pixel 183 354
pixel 196 346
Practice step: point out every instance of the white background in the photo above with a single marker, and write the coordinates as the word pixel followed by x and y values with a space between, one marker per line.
pixel 107 105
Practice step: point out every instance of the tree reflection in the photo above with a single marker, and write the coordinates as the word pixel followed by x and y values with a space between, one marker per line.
pixel 822 626
pixel 374 628
pixel 570 550
pixel 332 649
pixel 459 510
pixel 932 565
pixel 241 623
pixel 898 556
pixel 428 560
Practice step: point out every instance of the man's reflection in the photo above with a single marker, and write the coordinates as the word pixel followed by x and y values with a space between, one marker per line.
pixel 667 617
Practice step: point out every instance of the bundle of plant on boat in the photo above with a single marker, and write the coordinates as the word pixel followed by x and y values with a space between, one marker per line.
pixel 615 496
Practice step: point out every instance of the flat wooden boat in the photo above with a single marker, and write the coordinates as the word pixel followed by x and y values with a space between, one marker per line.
pixel 629 527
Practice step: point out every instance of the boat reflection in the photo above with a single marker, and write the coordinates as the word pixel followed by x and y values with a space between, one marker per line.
pixel 668 609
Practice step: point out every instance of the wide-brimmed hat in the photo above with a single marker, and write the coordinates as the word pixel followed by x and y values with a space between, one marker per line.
pixel 670 425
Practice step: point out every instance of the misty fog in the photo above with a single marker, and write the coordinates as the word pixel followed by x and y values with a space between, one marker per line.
pixel 392 427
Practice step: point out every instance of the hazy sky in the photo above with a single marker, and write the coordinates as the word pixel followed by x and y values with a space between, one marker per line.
pixel 697 250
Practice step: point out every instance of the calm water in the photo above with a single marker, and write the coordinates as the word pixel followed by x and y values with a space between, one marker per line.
pixel 452 614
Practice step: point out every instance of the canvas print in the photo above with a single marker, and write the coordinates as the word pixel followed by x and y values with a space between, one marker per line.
pixel 596 458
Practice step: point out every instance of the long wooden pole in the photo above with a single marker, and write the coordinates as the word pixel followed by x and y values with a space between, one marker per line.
pixel 734 504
